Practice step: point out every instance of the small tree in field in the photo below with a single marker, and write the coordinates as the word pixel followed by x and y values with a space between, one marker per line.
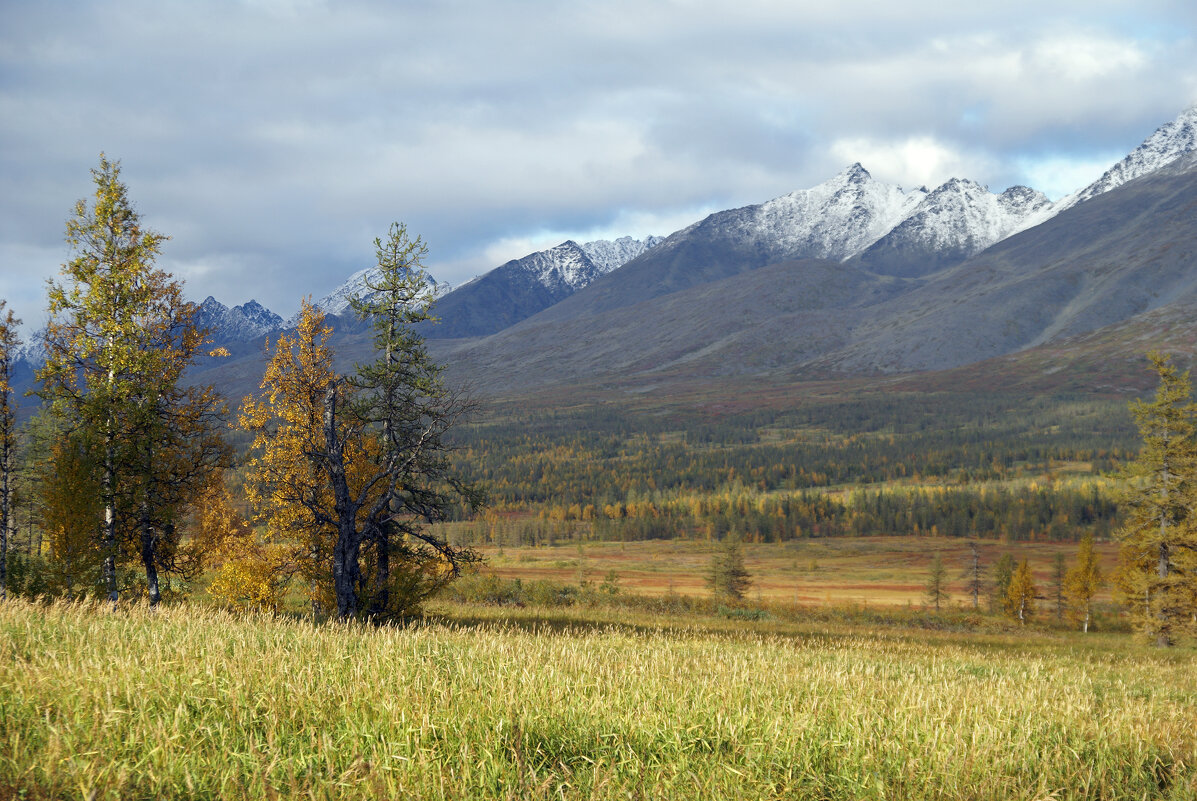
pixel 1003 574
pixel 974 575
pixel 727 576
pixel 1082 583
pixel 1020 595
pixel 1059 574
pixel 937 584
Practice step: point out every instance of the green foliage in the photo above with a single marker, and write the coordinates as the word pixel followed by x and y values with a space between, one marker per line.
pixel 727 577
pixel 937 588
pixel 118 341
pixel 765 474
pixel 1003 574
pixel 8 437
pixel 1081 584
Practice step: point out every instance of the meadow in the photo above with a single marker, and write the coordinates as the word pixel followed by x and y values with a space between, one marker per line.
pixel 882 571
pixel 492 703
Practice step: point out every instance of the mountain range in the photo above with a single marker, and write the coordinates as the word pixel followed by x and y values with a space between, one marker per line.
pixel 851 277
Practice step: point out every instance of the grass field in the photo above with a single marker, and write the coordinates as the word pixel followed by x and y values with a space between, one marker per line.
pixel 862 570
pixel 188 703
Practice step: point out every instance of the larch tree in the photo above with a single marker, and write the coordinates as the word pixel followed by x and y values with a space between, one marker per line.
pixel 1081 584
pixel 727 576
pixel 8 437
pixel 1003 574
pixel 1059 574
pixel 401 396
pixel 1159 538
pixel 1021 593
pixel 283 481
pixel 975 582
pixel 937 582
pixel 119 337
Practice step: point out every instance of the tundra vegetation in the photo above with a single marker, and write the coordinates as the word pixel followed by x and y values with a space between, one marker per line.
pixel 820 596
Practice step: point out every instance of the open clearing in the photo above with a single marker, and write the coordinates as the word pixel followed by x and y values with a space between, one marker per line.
pixel 861 570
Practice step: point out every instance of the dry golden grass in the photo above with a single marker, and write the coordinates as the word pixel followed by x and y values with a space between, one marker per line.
pixel 187 703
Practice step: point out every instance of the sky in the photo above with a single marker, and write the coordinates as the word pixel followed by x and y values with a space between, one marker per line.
pixel 272 140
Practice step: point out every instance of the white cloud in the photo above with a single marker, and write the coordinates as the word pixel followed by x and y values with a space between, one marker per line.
pixel 1080 58
pixel 1057 176
pixel 916 161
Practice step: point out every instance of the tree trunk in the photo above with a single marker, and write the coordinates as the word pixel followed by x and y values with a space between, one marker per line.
pixel 5 510
pixel 1162 639
pixel 382 572
pixel 108 489
pixel 347 550
pixel 148 553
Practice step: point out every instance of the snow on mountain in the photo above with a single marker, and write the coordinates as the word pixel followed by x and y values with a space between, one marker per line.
pixel 963 215
pixel 242 322
pixel 337 301
pixel 33 350
pixel 562 269
pixel 1169 142
pixel 957 219
pixel 609 255
pixel 835 220
pixel 566 268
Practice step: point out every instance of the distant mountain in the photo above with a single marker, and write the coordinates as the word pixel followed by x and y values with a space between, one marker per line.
pixel 522 287
pixel 893 231
pixel 1121 254
pixel 240 323
pixel 853 277
pixel 337 301
pixel 1169 142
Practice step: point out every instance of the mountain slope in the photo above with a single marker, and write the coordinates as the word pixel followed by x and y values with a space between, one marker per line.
pixel 833 220
pixel 1118 255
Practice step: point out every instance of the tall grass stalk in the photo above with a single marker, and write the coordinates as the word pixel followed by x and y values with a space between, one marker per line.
pixel 186 703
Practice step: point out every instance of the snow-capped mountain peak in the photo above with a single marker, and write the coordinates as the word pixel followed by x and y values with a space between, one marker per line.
pixel 835 219
pixel 1169 142
pixel 242 322
pixel 566 268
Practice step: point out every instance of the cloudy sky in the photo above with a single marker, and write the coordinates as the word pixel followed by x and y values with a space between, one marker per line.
pixel 273 139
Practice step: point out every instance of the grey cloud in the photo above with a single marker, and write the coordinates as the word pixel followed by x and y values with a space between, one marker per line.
pixel 274 140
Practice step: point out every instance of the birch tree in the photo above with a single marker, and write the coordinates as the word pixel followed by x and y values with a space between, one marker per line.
pixel 1082 583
